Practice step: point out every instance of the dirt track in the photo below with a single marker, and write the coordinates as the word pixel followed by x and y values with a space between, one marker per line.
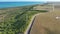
pixel 46 23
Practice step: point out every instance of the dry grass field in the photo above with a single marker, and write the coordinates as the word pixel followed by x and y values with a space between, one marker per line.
pixel 46 23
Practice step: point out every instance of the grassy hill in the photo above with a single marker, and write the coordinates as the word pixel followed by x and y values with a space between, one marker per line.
pixel 15 20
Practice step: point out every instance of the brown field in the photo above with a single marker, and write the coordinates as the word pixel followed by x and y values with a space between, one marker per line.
pixel 46 23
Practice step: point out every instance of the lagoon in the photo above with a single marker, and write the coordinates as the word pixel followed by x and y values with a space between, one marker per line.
pixel 16 4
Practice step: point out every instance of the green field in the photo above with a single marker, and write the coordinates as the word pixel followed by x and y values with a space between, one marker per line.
pixel 16 20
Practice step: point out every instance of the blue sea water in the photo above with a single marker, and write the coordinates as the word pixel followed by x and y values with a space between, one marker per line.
pixel 16 4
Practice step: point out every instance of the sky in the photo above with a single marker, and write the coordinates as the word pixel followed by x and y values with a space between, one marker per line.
pixel 30 0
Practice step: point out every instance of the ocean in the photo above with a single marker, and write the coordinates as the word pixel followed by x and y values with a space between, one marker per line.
pixel 16 4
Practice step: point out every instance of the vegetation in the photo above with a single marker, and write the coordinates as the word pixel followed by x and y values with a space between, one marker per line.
pixel 15 20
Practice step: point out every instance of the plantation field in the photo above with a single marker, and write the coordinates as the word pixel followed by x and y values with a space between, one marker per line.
pixel 47 23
